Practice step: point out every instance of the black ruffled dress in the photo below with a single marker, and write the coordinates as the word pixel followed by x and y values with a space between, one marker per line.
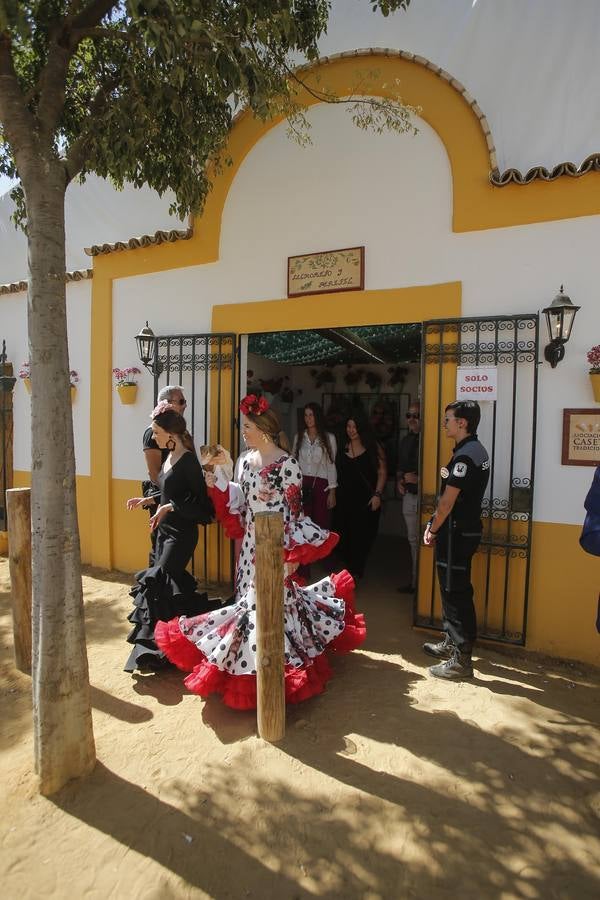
pixel 166 589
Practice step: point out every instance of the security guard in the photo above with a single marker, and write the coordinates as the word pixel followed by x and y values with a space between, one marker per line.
pixel 456 528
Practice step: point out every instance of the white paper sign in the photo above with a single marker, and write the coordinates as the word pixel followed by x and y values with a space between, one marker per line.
pixel 477 383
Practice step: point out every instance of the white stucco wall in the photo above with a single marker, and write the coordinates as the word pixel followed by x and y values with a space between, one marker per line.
pixel 392 194
pixel 13 328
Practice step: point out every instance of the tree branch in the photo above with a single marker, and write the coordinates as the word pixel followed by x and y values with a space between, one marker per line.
pixel 73 162
pixel 99 32
pixel 20 127
pixel 92 14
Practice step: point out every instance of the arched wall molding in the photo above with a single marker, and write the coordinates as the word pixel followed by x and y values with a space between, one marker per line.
pixel 446 105
pixel 477 204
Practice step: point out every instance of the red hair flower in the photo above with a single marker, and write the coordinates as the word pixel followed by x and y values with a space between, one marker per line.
pixel 251 404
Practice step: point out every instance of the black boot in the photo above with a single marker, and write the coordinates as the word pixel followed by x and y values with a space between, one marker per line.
pixel 454 669
pixel 440 649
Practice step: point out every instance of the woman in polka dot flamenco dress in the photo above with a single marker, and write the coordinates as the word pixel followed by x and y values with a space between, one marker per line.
pixel 219 648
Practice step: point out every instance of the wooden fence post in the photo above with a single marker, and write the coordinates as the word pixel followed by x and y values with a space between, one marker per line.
pixel 6 434
pixel 18 505
pixel 269 626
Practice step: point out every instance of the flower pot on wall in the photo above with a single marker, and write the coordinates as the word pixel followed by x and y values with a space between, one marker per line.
pixel 27 383
pixel 73 393
pixel 595 379
pixel 127 393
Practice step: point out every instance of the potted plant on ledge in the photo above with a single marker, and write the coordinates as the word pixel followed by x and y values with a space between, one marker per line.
pixel 593 357
pixel 127 384
pixel 25 375
pixel 73 380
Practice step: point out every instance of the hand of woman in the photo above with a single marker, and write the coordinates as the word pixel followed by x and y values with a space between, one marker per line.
pixel 428 537
pixel 210 479
pixel 374 503
pixel 331 499
pixel 289 568
pixel 159 515
pixel 136 502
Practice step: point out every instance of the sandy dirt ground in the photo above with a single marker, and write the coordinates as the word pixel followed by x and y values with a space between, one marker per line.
pixel 390 785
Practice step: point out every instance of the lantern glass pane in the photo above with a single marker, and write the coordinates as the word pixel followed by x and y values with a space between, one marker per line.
pixel 568 318
pixel 554 321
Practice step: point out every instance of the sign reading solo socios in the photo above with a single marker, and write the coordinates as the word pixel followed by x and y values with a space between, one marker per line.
pixel 477 383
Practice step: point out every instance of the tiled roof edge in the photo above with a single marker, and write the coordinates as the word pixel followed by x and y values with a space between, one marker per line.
pixel 145 240
pixel 15 287
pixel 540 173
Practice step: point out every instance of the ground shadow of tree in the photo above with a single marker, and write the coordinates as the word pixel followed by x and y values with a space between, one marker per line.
pixel 508 798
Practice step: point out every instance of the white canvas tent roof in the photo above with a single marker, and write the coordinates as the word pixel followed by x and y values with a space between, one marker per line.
pixel 531 67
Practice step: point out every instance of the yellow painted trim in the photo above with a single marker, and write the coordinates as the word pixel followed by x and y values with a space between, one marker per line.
pixel 390 306
pixel 101 419
pixel 563 595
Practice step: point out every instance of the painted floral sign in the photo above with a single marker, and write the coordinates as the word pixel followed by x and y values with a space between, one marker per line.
pixel 327 272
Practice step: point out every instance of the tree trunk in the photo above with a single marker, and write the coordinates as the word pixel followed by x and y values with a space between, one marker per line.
pixel 63 736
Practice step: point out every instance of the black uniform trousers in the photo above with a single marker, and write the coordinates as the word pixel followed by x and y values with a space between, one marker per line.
pixel 454 550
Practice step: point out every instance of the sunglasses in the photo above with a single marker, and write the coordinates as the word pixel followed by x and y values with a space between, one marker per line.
pixel 413 416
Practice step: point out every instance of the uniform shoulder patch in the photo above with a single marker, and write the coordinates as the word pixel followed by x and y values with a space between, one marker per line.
pixel 459 470
pixel 485 464
pixel 444 472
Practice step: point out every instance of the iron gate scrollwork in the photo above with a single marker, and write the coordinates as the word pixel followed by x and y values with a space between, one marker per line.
pixel 204 365
pixel 507 430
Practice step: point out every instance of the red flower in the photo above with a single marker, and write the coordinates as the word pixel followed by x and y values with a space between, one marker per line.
pixel 293 495
pixel 254 405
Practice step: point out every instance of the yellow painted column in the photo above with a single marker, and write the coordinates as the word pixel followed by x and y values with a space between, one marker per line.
pixel 101 415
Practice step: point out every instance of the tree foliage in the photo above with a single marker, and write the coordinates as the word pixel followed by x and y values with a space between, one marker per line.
pixel 144 91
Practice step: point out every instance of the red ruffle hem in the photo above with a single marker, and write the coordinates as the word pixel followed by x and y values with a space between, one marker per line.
pixel 231 522
pixel 239 691
pixel 305 554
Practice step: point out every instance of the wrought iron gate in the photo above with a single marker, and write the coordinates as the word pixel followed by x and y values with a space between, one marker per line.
pixel 205 366
pixel 507 430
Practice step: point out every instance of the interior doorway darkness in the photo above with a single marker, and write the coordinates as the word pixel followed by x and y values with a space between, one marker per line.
pixel 374 370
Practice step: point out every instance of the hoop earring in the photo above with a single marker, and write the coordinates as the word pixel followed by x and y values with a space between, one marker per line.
pixel 171 444
pixel 265 437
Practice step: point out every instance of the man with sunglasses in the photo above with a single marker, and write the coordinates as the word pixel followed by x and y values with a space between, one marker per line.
pixel 407 483
pixel 154 456
pixel 455 529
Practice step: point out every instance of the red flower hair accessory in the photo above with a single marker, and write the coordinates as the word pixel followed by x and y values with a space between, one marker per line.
pixel 254 405
pixel 161 408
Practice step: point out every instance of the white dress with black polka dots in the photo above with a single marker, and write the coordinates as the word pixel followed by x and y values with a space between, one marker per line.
pixel 314 616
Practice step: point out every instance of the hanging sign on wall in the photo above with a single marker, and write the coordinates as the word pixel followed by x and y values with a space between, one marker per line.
pixel 477 383
pixel 327 272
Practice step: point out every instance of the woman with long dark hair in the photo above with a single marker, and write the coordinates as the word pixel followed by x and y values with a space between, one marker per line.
pixel 166 589
pixel 362 474
pixel 219 648
pixel 316 449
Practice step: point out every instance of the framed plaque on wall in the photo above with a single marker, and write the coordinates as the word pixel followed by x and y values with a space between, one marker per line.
pixel 581 437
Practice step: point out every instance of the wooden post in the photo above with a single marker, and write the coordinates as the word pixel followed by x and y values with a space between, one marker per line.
pixel 6 438
pixel 18 504
pixel 269 626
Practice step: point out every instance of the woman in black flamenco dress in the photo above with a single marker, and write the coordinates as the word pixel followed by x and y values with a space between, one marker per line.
pixel 166 589
pixel 362 474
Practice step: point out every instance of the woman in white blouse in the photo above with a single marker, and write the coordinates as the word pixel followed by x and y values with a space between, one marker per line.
pixel 315 449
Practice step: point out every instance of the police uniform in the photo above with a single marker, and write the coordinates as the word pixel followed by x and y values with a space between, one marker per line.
pixel 458 539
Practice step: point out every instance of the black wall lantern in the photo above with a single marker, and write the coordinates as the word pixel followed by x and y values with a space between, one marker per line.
pixel 146 343
pixel 560 316
pixel 7 382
